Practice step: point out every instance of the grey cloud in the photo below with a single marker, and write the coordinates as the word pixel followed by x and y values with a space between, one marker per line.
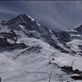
pixel 55 14
pixel 63 14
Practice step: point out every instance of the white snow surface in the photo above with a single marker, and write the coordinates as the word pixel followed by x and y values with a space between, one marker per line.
pixel 33 66
pixel 67 60
pixel 28 67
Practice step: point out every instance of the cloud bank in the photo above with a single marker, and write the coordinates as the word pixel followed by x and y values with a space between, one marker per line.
pixel 54 14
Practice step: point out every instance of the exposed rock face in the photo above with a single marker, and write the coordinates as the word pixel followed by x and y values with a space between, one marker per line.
pixel 63 36
pixel 32 29
pixel 79 29
pixel 24 25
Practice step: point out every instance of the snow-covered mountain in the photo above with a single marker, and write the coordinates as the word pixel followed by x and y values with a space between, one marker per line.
pixel 29 51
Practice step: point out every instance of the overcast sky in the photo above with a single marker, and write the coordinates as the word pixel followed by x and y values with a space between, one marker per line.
pixel 55 14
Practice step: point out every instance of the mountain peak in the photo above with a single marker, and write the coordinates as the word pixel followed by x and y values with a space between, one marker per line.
pixel 79 29
pixel 22 18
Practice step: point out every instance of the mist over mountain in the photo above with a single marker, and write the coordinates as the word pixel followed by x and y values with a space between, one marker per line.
pixel 29 49
pixel 41 41
pixel 54 14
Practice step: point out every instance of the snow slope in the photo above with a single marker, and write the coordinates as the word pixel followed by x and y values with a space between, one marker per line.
pixel 31 67
pixel 39 45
